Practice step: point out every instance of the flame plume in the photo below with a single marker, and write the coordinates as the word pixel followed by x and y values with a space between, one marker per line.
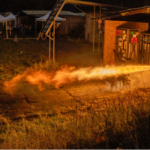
pixel 70 74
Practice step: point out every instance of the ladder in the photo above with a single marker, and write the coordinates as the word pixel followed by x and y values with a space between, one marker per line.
pixel 53 15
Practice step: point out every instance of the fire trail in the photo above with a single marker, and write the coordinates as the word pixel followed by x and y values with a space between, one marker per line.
pixel 70 74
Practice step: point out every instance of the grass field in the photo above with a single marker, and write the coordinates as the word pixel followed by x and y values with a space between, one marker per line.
pixel 121 121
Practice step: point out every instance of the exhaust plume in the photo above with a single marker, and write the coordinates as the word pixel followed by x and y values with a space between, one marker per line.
pixel 70 74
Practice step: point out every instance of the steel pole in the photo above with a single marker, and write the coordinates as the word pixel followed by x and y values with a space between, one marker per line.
pixel 99 34
pixel 94 31
pixel 54 42
pixel 49 46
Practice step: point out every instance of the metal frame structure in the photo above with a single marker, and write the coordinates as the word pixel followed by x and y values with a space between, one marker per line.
pixel 128 12
pixel 145 48
pixel 127 50
pixel 46 30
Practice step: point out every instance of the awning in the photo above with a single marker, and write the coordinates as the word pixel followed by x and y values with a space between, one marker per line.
pixel 2 19
pixel 11 17
pixel 44 18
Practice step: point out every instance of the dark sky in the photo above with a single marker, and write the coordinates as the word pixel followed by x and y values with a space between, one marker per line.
pixel 18 5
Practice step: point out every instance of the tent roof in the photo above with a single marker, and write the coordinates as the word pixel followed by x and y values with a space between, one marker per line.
pixel 2 19
pixel 5 14
pixel 44 18
pixel 11 17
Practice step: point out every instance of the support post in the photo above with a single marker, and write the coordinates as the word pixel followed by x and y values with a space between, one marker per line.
pixel 49 46
pixel 94 31
pixel 10 28
pixel 54 42
pixel 6 31
pixel 99 37
pixel 35 27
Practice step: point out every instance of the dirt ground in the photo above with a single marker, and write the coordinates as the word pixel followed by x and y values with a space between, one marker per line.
pixel 27 100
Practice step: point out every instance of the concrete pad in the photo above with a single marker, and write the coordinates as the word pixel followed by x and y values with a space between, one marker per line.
pixel 140 80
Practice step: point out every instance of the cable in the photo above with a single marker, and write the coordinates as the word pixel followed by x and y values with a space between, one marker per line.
pixel 82 11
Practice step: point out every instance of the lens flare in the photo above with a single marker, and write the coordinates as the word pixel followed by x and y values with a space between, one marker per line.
pixel 70 74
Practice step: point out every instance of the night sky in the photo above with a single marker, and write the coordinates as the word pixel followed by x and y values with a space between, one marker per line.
pixel 18 5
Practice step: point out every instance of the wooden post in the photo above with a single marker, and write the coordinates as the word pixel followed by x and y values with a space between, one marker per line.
pixel 54 42
pixel 6 31
pixel 94 31
pixel 49 46
pixel 10 28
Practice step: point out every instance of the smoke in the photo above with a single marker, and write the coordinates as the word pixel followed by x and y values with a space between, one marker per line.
pixel 68 75
pixel 118 86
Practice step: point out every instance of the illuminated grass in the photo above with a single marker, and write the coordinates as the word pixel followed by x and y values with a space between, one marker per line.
pixel 122 122
pixel 47 65
pixel 91 123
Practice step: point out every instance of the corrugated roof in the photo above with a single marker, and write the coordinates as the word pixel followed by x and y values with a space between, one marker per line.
pixel 43 12
pixel 81 14
pixel 36 12
pixel 67 13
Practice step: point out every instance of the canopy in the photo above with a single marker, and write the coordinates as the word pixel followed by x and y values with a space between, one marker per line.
pixel 2 19
pixel 11 17
pixel 44 18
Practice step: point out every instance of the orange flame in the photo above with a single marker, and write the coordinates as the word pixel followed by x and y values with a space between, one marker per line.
pixel 70 74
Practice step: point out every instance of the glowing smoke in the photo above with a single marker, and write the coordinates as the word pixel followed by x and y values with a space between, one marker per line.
pixel 70 74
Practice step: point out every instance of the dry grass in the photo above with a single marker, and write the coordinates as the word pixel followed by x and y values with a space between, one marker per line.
pixel 16 58
pixel 122 122
pixel 112 122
